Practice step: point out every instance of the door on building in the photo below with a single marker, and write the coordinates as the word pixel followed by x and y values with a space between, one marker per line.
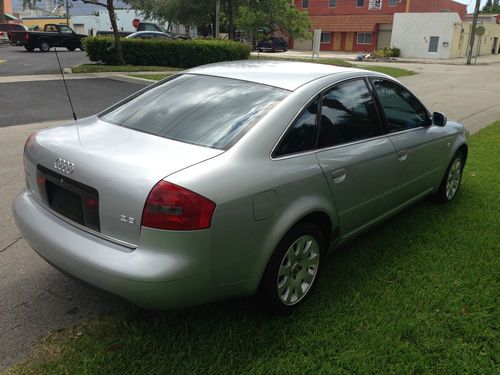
pixel 336 41
pixel 384 35
pixel 495 44
pixel 349 40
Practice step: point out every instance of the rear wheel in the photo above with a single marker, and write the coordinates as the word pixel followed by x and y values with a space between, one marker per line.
pixel 44 46
pixel 293 268
pixel 71 48
pixel 452 178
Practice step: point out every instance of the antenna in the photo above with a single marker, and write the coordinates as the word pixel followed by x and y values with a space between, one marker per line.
pixel 65 85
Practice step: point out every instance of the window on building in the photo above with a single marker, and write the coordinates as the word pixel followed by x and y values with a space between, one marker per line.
pixel 433 44
pixel 364 38
pixel 393 3
pixel 360 3
pixel 326 37
pixel 348 114
pixel 332 3
pixel 305 3
pixel 402 110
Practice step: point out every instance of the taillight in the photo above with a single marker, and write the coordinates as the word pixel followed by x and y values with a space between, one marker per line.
pixel 172 207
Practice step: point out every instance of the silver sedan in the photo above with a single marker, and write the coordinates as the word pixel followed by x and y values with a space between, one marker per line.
pixel 231 179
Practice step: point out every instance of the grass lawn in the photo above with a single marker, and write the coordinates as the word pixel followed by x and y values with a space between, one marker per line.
pixel 389 70
pixel 100 68
pixel 418 294
pixel 154 77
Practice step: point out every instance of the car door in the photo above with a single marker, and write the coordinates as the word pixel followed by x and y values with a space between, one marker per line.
pixel 356 156
pixel 421 148
pixel 67 37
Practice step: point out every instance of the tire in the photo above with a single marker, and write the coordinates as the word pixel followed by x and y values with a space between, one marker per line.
pixel 293 269
pixel 44 46
pixel 82 47
pixel 29 49
pixel 451 181
pixel 71 48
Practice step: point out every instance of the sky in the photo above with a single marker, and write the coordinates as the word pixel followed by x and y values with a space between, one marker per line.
pixel 80 8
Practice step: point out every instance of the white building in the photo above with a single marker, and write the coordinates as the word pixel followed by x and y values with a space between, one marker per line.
pixel 89 25
pixel 424 35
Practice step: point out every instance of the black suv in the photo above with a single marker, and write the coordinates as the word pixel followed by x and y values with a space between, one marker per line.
pixel 273 44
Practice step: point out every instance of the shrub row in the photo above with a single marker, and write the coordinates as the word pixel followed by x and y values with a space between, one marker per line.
pixel 174 53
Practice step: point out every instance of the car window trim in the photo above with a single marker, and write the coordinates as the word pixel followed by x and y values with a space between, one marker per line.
pixel 319 95
pixel 386 123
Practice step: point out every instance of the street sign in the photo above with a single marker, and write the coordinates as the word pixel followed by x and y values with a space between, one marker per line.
pixel 135 22
pixel 480 31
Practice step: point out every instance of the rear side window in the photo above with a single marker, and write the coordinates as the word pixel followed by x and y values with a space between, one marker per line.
pixel 207 111
pixel 348 114
pixel 301 136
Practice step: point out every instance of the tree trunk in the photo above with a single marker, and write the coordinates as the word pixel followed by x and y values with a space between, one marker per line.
pixel 230 19
pixel 2 10
pixel 118 44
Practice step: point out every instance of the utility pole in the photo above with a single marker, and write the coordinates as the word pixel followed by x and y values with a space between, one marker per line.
pixel 408 6
pixel 217 18
pixel 473 32
pixel 67 12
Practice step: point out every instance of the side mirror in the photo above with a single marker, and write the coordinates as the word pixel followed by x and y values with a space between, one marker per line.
pixel 439 119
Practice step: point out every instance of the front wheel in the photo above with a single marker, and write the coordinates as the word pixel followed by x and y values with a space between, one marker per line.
pixel 293 269
pixel 452 178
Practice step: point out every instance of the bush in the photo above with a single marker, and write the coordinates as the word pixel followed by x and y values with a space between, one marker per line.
pixel 174 53
pixel 387 52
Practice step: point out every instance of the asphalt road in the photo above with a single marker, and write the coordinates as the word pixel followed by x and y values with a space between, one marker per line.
pixel 35 298
pixel 40 101
pixel 20 62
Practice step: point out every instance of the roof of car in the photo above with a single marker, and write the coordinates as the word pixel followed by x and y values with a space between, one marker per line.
pixel 288 75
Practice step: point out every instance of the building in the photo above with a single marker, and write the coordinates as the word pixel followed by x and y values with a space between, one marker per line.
pixel 484 18
pixel 364 25
pixel 441 36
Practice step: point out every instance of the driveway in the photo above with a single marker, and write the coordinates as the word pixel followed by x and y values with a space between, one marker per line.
pixel 20 62
pixel 35 299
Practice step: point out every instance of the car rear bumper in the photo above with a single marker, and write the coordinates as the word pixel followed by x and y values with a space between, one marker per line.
pixel 151 276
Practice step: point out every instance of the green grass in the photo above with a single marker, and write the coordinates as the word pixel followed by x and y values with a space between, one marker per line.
pixel 328 61
pixel 389 70
pixel 418 294
pixel 100 68
pixel 154 77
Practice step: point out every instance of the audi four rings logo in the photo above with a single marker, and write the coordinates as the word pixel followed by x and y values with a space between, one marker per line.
pixel 64 166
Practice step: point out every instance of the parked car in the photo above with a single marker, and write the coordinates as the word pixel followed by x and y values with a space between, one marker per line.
pixel 273 44
pixel 150 35
pixel 52 36
pixel 6 30
pixel 231 179
pixel 145 26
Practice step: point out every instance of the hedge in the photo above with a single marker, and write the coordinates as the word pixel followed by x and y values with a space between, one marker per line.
pixel 174 53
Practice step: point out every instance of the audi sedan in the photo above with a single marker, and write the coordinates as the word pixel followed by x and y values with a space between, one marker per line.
pixel 232 179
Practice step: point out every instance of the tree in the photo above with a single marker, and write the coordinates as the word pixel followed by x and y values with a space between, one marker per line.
pixel 264 17
pixel 491 6
pixel 109 5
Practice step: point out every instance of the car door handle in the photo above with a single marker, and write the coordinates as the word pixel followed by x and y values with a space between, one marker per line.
pixel 338 176
pixel 402 155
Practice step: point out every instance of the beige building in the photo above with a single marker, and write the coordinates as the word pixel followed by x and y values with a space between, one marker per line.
pixel 487 44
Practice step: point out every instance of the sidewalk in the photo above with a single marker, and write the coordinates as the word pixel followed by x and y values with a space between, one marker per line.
pixel 351 56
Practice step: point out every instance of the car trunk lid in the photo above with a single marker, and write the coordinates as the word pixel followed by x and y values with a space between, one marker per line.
pixel 105 167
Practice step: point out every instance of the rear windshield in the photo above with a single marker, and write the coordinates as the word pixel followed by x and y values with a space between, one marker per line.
pixel 207 111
